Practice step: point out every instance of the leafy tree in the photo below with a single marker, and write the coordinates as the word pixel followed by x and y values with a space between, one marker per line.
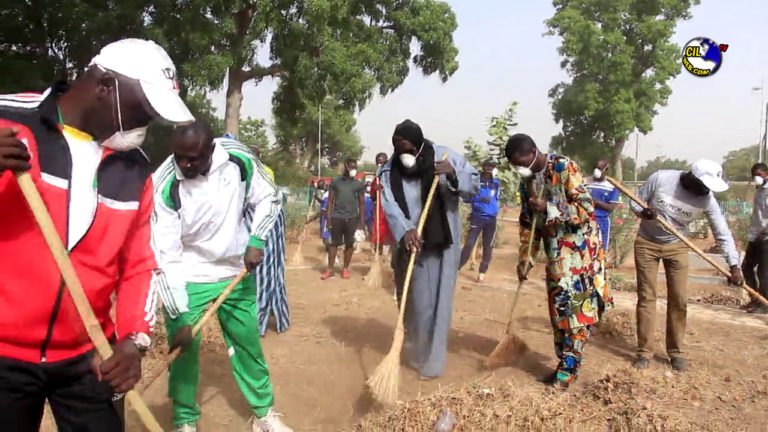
pixel 344 48
pixel 499 130
pixel 44 41
pixel 157 145
pixel 297 134
pixel 628 167
pixel 620 58
pixel 253 133
pixel 737 164
pixel 662 163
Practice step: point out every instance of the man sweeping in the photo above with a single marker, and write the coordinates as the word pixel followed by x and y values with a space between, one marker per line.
pixel 406 180
pixel 679 197
pixel 80 144
pixel 482 220
pixel 576 290
pixel 214 207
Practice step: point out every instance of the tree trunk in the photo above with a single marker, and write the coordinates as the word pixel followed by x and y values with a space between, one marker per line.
pixel 234 99
pixel 618 148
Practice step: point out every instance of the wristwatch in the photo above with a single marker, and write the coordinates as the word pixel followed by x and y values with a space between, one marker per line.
pixel 141 341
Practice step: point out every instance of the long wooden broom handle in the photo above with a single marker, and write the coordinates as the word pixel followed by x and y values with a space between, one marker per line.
pixel 419 229
pixel 513 305
pixel 378 227
pixel 60 254
pixel 684 239
pixel 309 212
pixel 198 327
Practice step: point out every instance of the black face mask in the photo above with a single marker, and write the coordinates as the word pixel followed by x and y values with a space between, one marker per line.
pixel 693 185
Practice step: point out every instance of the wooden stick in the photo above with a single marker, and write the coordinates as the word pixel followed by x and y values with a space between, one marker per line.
pixel 198 327
pixel 61 255
pixel 513 305
pixel 685 240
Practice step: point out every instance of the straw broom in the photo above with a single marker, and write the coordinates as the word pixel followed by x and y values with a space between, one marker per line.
pixel 685 240
pixel 512 346
pixel 384 381
pixel 72 282
pixel 298 256
pixel 373 279
pixel 197 328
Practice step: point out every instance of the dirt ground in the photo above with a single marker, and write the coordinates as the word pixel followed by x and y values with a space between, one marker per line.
pixel 340 330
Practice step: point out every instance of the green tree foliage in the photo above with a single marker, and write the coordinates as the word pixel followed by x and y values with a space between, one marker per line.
pixel 44 41
pixel 157 145
pixel 297 135
pixel 620 58
pixel 737 165
pixel 253 133
pixel 345 48
pixel 500 128
pixel 662 163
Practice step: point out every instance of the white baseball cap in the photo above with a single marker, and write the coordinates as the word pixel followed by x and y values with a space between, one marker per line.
pixel 147 62
pixel 711 174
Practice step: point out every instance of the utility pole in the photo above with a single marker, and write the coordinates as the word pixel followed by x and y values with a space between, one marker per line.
pixel 760 147
pixel 319 137
pixel 637 153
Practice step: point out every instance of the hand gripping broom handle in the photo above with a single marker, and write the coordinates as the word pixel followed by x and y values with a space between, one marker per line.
pixel 412 261
pixel 684 239
pixel 511 322
pixel 173 355
pixel 60 254
pixel 209 313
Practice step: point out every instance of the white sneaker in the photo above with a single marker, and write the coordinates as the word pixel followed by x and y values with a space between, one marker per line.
pixel 186 428
pixel 270 423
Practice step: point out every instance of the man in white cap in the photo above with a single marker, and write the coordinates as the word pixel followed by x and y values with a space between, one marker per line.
pixel 678 197
pixel 80 143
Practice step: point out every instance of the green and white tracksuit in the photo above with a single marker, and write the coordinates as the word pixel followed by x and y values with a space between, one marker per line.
pixel 201 228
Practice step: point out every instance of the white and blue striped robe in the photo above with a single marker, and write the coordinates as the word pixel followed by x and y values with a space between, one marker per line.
pixel 270 278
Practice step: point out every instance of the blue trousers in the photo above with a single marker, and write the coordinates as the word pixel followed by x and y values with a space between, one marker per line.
pixel 487 226
pixel 604 223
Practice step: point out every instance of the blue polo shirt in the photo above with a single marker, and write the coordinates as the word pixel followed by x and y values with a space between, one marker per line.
pixel 490 189
pixel 602 191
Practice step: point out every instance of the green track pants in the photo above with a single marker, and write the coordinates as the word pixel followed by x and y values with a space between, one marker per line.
pixel 238 316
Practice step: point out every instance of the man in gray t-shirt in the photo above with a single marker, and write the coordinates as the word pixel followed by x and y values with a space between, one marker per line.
pixel 346 214
pixel 678 197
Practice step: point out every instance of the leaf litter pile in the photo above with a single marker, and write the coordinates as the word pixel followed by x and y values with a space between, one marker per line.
pixel 620 401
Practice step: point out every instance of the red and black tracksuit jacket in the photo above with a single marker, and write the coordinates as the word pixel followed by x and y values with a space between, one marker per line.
pixel 38 319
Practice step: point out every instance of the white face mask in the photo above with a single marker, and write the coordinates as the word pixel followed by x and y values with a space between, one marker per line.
pixel 124 140
pixel 408 160
pixel 596 173
pixel 526 172
pixel 759 181
pixel 495 172
pixel 352 172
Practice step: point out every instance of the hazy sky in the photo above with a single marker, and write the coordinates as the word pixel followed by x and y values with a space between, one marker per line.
pixel 504 57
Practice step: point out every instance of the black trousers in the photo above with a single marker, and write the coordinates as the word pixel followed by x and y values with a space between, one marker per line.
pixel 80 403
pixel 755 266
pixel 477 226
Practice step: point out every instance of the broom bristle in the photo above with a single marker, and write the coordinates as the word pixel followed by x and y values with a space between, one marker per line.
pixel 298 257
pixel 373 278
pixel 384 381
pixel 506 352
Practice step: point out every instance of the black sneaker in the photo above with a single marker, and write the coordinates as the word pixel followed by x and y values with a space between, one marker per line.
pixel 641 363
pixel 760 309
pixel 679 364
